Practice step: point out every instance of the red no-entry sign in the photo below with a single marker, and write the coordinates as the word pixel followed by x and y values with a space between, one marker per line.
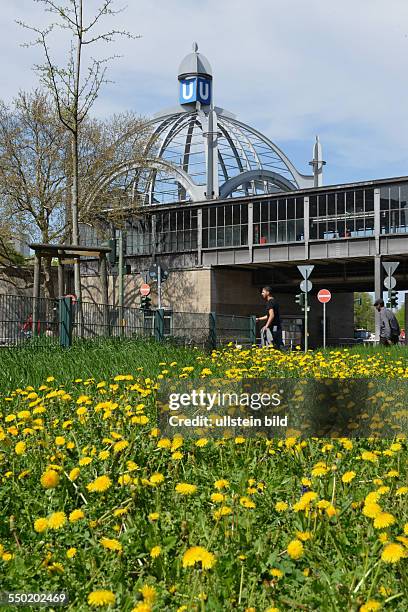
pixel 324 296
pixel 144 289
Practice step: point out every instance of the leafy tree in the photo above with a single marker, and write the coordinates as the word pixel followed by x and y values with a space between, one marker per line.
pixel 364 314
pixel 400 314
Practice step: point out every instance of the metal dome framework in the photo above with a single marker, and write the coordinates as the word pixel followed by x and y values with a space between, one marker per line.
pixel 247 164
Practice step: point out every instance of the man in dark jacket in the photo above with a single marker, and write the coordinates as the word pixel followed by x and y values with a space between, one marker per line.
pixel 271 332
pixel 389 326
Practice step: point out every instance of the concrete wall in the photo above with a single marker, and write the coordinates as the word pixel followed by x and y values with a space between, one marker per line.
pixel 15 280
pixel 183 291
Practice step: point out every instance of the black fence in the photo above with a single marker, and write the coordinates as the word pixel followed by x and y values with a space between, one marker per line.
pixel 25 320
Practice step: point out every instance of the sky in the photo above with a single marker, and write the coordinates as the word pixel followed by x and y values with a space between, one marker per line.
pixel 291 69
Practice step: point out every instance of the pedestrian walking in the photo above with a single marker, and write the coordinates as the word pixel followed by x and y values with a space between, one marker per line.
pixel 389 326
pixel 271 332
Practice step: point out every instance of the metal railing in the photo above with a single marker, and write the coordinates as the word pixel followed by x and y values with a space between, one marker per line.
pixel 24 320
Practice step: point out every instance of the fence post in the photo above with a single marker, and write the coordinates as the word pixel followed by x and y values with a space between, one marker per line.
pixel 65 321
pixel 213 329
pixel 252 329
pixel 159 324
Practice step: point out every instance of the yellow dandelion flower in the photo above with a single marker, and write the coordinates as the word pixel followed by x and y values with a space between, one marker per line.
pixel 74 473
pixel 202 442
pixel 40 524
pixel 20 448
pixel 371 510
pixel 120 446
pixel 71 552
pixel 348 477
pixel 392 553
pixel 50 479
pixel 184 488
pixel 56 520
pixel 155 552
pixel 406 529
pixel 276 573
pixel 281 506
pixel 76 515
pixel 320 470
pixel 142 606
pixel 370 606
pixel 153 516
pixel 99 485
pixel 369 456
pixel 101 598
pixel 85 461
pixel 164 443
pixel 111 544
pixel 156 479
pixel 217 498
pixel 303 535
pixel 221 484
pixel 372 497
pixel 149 593
pixel 247 503
pixel 124 480
pixel 120 511
pixel 198 554
pixel 383 519
pixel 223 511
pixel 295 549
pixel 401 491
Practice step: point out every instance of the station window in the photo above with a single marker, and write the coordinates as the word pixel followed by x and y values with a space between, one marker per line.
pixel 338 215
pixel 394 209
pixel 225 226
pixel 278 220
pixel 176 231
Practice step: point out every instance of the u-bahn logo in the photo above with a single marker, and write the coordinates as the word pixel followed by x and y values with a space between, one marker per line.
pixel 195 89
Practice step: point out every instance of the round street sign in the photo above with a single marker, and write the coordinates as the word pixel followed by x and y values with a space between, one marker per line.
pixel 390 282
pixel 324 296
pixel 144 289
pixel 306 285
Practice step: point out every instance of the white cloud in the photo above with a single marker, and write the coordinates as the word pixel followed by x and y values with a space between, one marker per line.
pixel 291 69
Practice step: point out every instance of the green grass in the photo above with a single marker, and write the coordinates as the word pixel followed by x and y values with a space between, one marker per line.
pixel 100 359
pixel 96 359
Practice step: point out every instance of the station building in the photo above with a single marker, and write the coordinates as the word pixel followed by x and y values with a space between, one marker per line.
pixel 226 212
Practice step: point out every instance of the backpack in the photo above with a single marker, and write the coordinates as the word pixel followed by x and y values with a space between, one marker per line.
pixel 394 325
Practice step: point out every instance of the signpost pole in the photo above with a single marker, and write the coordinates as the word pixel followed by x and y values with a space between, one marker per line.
pixel 121 280
pixel 324 325
pixel 306 323
pixel 159 279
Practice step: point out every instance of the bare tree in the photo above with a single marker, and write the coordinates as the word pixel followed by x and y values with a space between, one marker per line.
pixel 75 90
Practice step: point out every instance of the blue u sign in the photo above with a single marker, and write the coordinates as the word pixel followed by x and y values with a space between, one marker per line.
pixel 195 89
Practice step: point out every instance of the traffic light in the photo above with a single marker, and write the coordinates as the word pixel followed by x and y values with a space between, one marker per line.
pixel 300 299
pixel 145 303
pixel 392 298
pixel 112 256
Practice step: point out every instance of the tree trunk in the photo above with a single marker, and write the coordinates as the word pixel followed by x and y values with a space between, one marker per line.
pixel 49 291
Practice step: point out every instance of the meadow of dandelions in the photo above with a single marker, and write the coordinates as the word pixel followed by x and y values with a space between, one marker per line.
pixel 96 502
